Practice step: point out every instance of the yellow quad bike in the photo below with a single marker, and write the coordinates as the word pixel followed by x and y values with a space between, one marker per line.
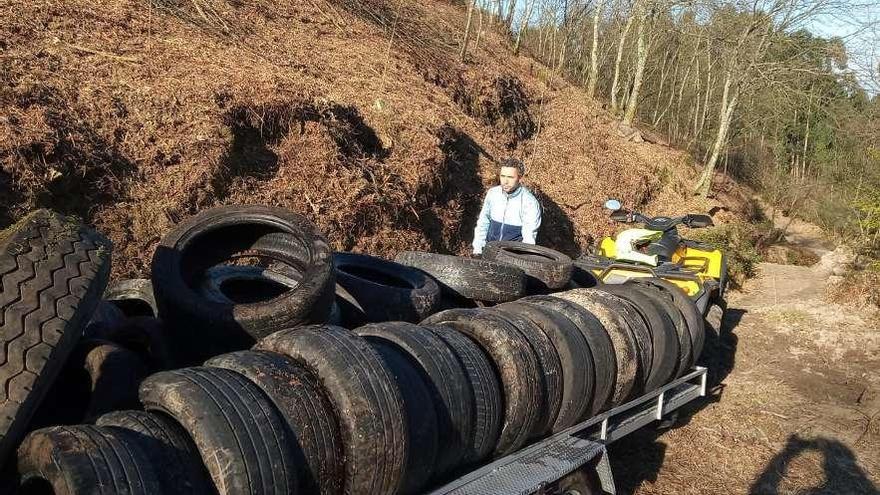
pixel 657 250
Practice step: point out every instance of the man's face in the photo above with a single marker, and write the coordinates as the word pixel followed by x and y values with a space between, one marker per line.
pixel 509 178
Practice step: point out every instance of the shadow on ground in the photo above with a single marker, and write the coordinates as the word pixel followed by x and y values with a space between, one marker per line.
pixel 841 469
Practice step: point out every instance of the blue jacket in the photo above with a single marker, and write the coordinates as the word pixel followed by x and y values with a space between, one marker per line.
pixel 507 217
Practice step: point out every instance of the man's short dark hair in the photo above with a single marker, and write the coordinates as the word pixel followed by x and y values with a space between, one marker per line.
pixel 514 163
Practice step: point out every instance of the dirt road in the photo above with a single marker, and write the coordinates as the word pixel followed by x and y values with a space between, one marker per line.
pixel 796 404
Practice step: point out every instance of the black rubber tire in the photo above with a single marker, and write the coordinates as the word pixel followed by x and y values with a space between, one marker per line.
pixel 583 276
pixel 115 373
pixel 85 460
pixel 52 273
pixel 663 336
pixel 296 393
pixel 576 360
pixel 486 388
pixel 469 278
pixel 385 290
pixel 682 329
pixel 626 350
pixel 421 417
pixel 639 330
pixel 549 368
pixel 447 382
pixel 367 402
pixel 544 267
pixel 200 328
pixel 692 315
pixel 515 363
pixel 171 452
pixel 239 433
pixel 602 350
pixel 134 297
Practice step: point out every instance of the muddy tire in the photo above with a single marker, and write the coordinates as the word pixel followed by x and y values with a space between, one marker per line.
pixel 134 297
pixel 171 452
pixel 486 388
pixel 423 435
pixel 451 392
pixel 93 460
pixel 239 433
pixel 469 278
pixel 626 350
pixel 544 267
pixel 682 328
pixel 52 273
pixel 691 314
pixel 662 329
pixel 576 360
pixel 115 373
pixel 549 368
pixel 601 347
pixel 316 441
pixel 516 363
pixel 385 290
pixel 369 407
pixel 200 328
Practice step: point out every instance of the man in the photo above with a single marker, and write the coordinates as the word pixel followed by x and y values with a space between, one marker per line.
pixel 510 211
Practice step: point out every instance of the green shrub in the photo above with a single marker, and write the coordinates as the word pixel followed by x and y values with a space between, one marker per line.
pixel 739 242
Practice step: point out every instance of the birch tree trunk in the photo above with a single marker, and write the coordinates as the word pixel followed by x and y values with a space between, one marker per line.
pixel 633 104
pixel 523 25
pixel 467 29
pixel 729 101
pixel 616 81
pixel 594 55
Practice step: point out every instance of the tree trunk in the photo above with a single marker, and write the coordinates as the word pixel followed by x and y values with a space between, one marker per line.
pixel 594 55
pixel 467 29
pixel 728 105
pixel 616 81
pixel 511 9
pixel 523 25
pixel 642 48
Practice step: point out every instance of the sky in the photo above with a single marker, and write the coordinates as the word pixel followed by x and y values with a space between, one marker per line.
pixel 860 30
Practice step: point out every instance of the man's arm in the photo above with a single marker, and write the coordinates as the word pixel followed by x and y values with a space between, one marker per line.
pixel 531 220
pixel 482 228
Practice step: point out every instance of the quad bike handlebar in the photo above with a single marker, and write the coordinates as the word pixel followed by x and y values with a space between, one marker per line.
pixel 662 224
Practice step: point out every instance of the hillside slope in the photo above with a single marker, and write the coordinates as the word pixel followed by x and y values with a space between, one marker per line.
pixel 135 114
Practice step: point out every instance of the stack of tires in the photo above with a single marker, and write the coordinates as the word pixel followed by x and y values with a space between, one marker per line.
pixel 229 371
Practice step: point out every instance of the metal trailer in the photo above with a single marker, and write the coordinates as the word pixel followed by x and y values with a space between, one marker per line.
pixel 575 461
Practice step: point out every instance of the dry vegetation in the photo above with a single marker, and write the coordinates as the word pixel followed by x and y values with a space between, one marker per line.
pixel 134 114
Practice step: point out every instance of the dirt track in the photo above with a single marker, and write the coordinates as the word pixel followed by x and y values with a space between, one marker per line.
pixel 796 402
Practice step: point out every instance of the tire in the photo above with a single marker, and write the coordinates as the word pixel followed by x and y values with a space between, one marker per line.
pixel 451 393
pixel 134 297
pixel 545 268
pixel 516 365
pixel 385 290
pixel 239 433
pixel 170 451
pixel 664 338
pixel 602 351
pixel 583 276
pixel 692 315
pixel 549 368
pixel 115 373
pixel 81 460
pixel 626 350
pixel 316 441
pixel 486 387
pixel 368 404
pixel 469 278
pixel 685 340
pixel 52 273
pixel 201 328
pixel 421 417
pixel 576 360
